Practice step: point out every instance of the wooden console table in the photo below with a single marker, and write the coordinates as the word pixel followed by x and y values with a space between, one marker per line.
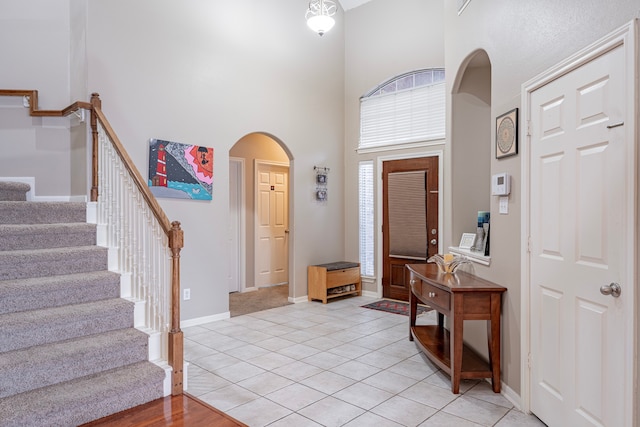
pixel 460 296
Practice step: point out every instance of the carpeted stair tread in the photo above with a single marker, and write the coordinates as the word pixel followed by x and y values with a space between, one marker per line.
pixel 44 262
pixel 55 291
pixel 42 212
pixel 13 191
pixel 85 399
pixel 41 236
pixel 47 364
pixel 36 327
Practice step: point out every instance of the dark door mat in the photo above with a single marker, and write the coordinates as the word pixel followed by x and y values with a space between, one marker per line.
pixel 397 307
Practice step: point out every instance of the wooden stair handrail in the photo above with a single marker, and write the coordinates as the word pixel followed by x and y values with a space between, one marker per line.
pixel 172 230
pixel 33 104
pixel 135 174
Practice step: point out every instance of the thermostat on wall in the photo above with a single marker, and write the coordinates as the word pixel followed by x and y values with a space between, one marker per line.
pixel 501 184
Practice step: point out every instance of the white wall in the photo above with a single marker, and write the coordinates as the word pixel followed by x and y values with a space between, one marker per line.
pixel 521 39
pixel 209 72
pixel 35 52
pixel 383 39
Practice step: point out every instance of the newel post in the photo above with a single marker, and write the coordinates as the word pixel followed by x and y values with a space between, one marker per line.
pixel 176 340
pixel 96 103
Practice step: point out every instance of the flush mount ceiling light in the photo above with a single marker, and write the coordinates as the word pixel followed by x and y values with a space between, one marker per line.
pixel 320 15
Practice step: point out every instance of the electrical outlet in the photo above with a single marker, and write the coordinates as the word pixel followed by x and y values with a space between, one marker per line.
pixel 186 294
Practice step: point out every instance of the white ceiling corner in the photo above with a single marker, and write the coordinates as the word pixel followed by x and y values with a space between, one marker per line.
pixel 350 4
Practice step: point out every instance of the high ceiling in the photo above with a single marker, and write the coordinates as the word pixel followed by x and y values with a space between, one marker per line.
pixel 350 4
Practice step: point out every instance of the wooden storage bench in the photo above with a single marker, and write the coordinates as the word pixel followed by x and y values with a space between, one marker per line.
pixel 333 280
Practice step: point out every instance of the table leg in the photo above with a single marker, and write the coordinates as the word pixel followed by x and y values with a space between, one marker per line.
pixel 413 311
pixel 493 337
pixel 456 342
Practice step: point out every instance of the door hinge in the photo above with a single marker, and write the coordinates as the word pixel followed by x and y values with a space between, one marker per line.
pixel 529 361
pixel 529 244
pixel 528 127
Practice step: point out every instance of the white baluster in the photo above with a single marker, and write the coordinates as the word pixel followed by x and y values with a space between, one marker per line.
pixel 142 246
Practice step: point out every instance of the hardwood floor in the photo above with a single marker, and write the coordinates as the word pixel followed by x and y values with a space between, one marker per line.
pixel 175 411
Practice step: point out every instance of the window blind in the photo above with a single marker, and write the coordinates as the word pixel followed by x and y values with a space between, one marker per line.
pixel 366 217
pixel 412 115
pixel 407 214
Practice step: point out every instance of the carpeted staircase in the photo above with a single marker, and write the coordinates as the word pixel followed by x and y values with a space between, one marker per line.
pixel 69 353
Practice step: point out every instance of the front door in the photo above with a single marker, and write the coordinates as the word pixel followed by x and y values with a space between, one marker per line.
pixel 582 245
pixel 272 224
pixel 409 220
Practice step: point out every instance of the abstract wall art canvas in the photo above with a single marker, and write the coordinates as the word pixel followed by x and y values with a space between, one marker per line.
pixel 180 170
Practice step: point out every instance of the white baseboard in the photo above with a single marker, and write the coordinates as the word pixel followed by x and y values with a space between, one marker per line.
pixel 101 235
pixel 185 376
pixel 81 199
pixel 139 312
pixel 206 319
pixel 511 396
pixel 92 212
pixel 51 198
pixel 155 344
pixel 168 378
pixel 126 287
pixel 370 294
pixel 112 259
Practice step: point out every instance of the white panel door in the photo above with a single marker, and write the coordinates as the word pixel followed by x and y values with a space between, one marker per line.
pixel 579 240
pixel 272 224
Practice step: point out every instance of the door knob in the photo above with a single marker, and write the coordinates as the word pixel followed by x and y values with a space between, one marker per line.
pixel 613 289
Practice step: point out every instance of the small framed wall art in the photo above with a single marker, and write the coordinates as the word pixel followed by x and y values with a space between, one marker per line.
pixel 507 134
pixel 321 183
pixel 180 171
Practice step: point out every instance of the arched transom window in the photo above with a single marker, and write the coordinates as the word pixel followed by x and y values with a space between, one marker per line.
pixel 406 109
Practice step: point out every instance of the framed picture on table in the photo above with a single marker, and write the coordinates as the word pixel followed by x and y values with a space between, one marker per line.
pixel 467 241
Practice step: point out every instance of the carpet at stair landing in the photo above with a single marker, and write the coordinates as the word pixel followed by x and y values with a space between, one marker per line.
pixel 262 299
pixel 16 191
pixel 396 307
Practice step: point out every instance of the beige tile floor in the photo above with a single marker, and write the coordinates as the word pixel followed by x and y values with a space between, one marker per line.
pixel 338 364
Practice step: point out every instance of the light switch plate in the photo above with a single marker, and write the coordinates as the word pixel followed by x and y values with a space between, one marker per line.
pixel 504 205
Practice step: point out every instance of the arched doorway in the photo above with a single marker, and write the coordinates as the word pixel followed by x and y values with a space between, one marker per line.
pixel 470 143
pixel 470 159
pixel 258 194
